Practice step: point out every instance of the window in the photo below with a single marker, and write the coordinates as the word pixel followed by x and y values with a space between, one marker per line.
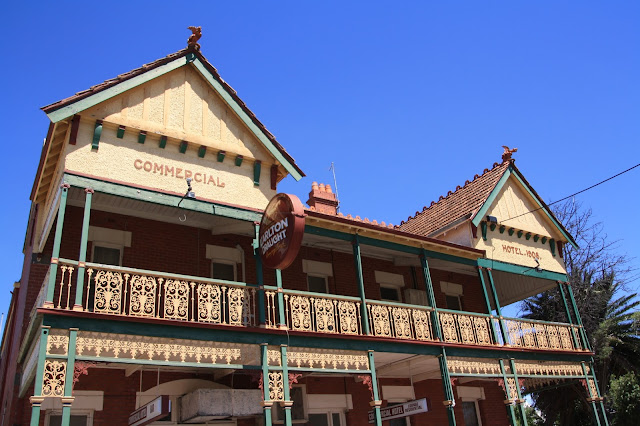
pixel 298 411
pixel 470 395
pixel 317 284
pixel 389 293
pixel 54 418
pixel 108 245
pixel 453 295
pixel 223 271
pixel 390 285
pixel 226 262
pixel 470 412
pixel 318 274
pixel 107 255
pixel 326 419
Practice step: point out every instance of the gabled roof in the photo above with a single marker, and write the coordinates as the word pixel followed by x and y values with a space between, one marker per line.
pixel 459 204
pixel 65 108
pixel 471 202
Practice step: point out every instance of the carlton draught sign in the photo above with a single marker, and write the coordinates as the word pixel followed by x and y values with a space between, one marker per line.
pixel 281 231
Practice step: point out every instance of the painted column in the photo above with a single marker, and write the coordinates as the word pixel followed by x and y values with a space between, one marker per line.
pixel 508 402
pixel 503 329
pixel 83 249
pixel 281 314
pixel 267 403
pixel 57 239
pixel 600 398
pixel 494 334
pixel 450 401
pixel 377 402
pixel 585 341
pixel 357 258
pixel 568 313
pixel 435 322
pixel 520 401
pixel 68 398
pixel 593 394
pixel 37 398
pixel 259 278
pixel 287 403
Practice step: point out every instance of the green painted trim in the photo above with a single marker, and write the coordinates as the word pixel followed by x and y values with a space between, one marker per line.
pixel 543 240
pixel 120 132
pixel 520 234
pixel 523 414
pixel 57 239
pixel 482 213
pixel 42 356
pixel 527 236
pixel 264 365
pixel 154 197
pixel 182 148
pixel 431 298
pixel 202 151
pixel 88 102
pixel 447 387
pixel 166 363
pixel 270 146
pixel 510 409
pixel 357 261
pixel 511 231
pixel 163 142
pixel 536 238
pixel 257 166
pixel 520 270
pixel 493 227
pixel 338 235
pixel 142 136
pixel 494 333
pixel 221 155
pixel 285 383
pixel 82 257
pixel 483 228
pixel 262 313
pixel 238 160
pixel 71 359
pixel 97 132
pixel 546 211
pixel 502 228
pixel 567 311
pixel 374 388
pixel 494 293
pixel 552 245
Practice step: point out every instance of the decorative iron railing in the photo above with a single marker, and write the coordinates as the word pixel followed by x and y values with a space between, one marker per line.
pixel 388 319
pixel 465 328
pixel 533 334
pixel 114 290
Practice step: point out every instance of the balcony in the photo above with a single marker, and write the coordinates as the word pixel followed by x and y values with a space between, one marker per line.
pixel 136 293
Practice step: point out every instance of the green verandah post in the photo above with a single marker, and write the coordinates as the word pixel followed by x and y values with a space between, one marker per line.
pixel 259 278
pixel 503 329
pixel 357 258
pixel 37 398
pixel 494 334
pixel 377 402
pixel 568 313
pixel 450 401
pixel 57 239
pixel 593 396
pixel 520 401
pixel 267 403
pixel 83 249
pixel 431 298
pixel 68 398
pixel 508 401
pixel 287 403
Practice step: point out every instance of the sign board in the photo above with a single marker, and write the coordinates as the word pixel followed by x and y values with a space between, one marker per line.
pixel 281 231
pixel 150 412
pixel 401 410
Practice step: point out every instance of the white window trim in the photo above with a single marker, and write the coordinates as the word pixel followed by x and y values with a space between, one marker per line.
pixel 472 394
pixel 57 412
pixel 315 268
pixel 107 245
pixel 475 402
pixel 99 235
pixel 226 262
pixel 390 281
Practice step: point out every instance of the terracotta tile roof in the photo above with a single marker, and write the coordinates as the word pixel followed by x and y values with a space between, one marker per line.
pixel 462 203
pixel 155 64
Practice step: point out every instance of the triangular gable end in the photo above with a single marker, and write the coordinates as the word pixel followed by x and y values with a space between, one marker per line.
pixel 113 88
pixel 516 205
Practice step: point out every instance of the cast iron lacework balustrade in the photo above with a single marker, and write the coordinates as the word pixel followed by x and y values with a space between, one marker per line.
pixel 114 290
pixel 400 322
pixel 469 329
pixel 320 358
pixel 533 334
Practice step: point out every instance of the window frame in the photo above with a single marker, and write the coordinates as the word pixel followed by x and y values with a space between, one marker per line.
pixel 477 407
pixel 391 287
pixel 317 275
pixel 329 413
pixel 305 408
pixel 225 262
pixel 102 244
pixel 58 412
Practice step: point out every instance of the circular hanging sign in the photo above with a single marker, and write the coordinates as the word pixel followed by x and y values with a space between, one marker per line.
pixel 281 231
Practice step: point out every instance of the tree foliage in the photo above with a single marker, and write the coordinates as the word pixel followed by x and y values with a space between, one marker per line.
pixel 625 399
pixel 598 275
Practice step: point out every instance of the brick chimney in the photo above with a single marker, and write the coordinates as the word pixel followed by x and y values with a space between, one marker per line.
pixel 322 199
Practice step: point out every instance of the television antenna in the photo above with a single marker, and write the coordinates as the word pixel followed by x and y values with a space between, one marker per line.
pixel 335 185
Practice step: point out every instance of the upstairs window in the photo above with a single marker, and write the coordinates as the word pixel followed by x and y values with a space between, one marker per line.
pixel 318 274
pixel 453 295
pixel 226 262
pixel 390 285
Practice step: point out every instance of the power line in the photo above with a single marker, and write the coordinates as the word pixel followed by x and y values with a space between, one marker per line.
pixel 576 193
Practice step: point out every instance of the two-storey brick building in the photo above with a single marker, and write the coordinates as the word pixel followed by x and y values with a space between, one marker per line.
pixel 143 299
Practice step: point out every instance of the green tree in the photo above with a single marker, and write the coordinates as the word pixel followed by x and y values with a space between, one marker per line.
pixel 598 275
pixel 625 399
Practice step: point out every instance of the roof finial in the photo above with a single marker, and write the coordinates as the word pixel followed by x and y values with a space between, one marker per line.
pixel 193 38
pixel 506 155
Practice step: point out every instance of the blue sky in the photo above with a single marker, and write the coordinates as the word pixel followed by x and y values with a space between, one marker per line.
pixel 408 99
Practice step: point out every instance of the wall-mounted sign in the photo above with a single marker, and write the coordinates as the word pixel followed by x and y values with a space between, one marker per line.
pixel 401 410
pixel 281 231
pixel 150 412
